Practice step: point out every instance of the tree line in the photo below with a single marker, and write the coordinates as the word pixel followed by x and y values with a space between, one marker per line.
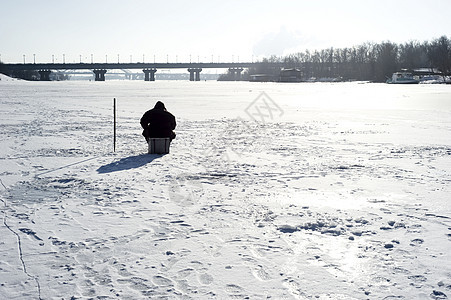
pixel 368 61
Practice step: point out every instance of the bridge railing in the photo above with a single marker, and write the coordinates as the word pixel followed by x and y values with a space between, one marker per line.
pixel 110 66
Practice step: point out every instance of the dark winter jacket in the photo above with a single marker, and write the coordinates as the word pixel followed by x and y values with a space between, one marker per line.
pixel 158 123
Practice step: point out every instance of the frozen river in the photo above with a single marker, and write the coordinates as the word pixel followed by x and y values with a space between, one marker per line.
pixel 297 191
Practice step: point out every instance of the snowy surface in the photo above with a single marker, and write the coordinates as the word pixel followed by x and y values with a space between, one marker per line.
pixel 307 191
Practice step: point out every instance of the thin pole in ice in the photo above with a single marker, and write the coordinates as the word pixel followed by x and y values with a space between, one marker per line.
pixel 114 124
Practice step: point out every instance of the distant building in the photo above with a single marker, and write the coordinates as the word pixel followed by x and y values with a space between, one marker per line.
pixel 426 71
pixel 262 78
pixel 290 75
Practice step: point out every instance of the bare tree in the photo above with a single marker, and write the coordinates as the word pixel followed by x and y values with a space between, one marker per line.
pixel 369 61
pixel 439 53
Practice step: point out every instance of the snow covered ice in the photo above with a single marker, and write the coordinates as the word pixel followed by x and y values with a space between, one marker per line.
pixel 270 191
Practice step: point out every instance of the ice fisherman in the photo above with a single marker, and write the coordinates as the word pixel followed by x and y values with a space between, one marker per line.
pixel 158 123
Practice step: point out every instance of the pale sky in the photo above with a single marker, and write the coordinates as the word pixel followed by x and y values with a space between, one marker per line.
pixel 206 30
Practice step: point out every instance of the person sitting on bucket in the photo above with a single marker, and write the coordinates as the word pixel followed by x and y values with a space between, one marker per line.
pixel 158 123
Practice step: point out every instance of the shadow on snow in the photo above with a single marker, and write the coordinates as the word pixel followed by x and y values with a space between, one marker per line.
pixel 127 163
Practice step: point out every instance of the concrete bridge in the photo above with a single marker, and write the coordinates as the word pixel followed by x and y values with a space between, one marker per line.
pixel 149 69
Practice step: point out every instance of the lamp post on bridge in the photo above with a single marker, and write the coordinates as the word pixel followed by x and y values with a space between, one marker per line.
pixel 24 59
pixel 118 58
pixel 64 58
pixel 34 58
pixel 92 59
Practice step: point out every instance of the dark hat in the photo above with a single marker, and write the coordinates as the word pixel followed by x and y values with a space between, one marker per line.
pixel 160 105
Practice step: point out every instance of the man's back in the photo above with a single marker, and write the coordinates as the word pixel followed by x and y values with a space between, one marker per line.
pixel 158 123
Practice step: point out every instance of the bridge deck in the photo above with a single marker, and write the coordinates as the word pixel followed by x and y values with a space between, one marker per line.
pixel 110 66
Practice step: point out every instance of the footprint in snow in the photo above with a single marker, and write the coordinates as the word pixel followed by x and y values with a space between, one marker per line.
pixel 416 242
pixel 161 281
pixel 205 279
pixel 184 273
pixel 233 289
pixel 438 295
pixel 417 278
pixel 261 274
pixel 31 233
pixel 136 283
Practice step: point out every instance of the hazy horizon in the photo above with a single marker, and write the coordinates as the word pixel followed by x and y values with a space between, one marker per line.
pixel 207 31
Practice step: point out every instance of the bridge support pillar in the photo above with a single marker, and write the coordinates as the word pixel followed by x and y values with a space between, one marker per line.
pixel 194 74
pixel 44 75
pixel 99 75
pixel 236 73
pixel 149 74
